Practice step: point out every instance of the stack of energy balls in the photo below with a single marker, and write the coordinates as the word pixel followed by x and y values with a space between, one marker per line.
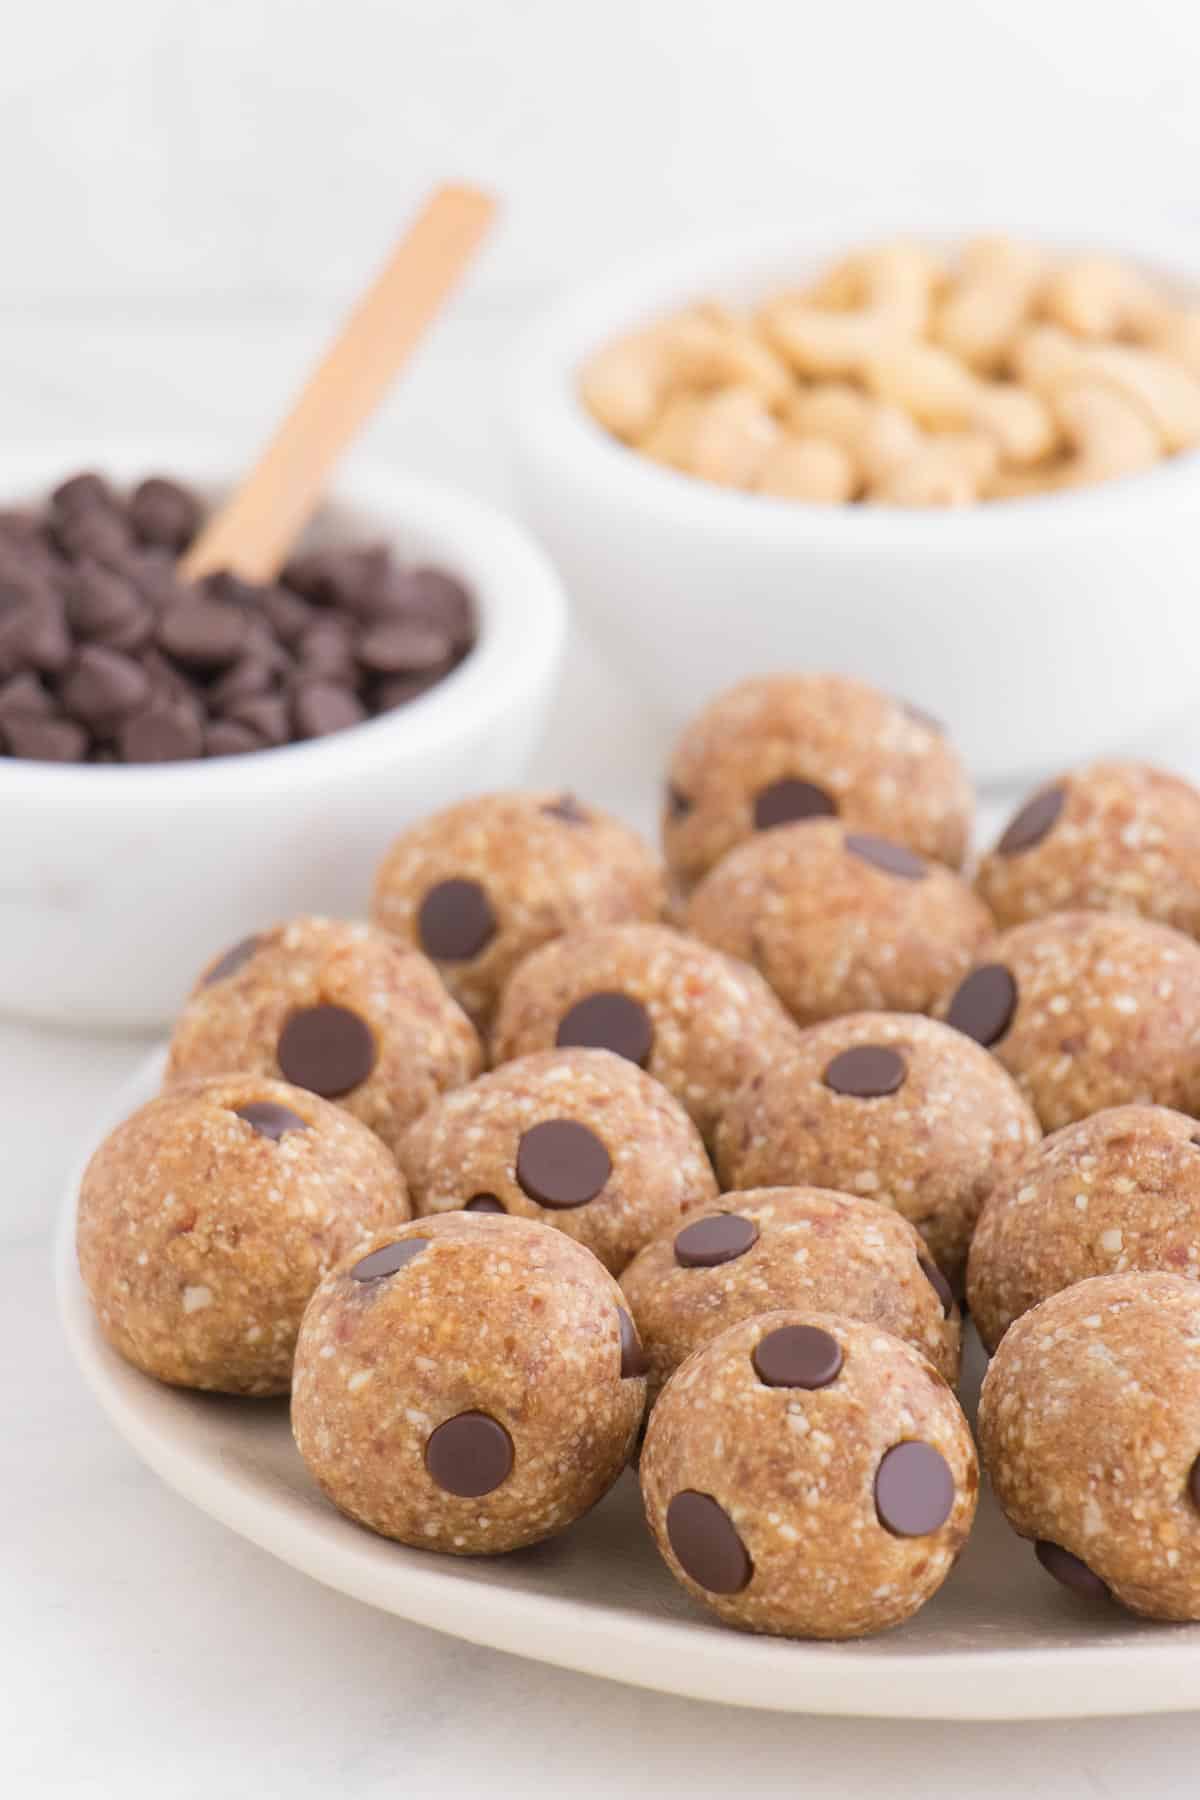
pixel 724 1179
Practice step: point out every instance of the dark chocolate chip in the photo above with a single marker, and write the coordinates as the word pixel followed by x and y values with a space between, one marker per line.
pixel 568 809
pixel 984 1004
pixel 23 697
pixel 388 1259
pixel 234 959
pixel 326 653
pixel 440 600
pixel 1194 1484
pixel 797 1356
pixel 561 1163
pixel 164 513
pixel 201 633
pixel 403 647
pixel 102 687
pixel 914 1489
pixel 264 714
pixel 34 635
pixel 938 1283
pixel 608 1021
pixel 707 1242
pixel 678 803
pixel 893 859
pixel 1034 822
pixel 485 1203
pixel 271 1120
pixel 326 1048
pixel 1070 1570
pixel 82 491
pixel 455 920
pixel 101 604
pixel 287 614
pixel 400 690
pixel 633 1357
pixel 469 1455
pixel 165 733
pixel 866 1072
pixel 248 677
pixel 95 532
pixel 706 1544
pixel 785 802
pixel 320 707
pixel 45 740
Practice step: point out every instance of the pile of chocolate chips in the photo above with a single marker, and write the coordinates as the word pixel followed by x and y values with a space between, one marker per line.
pixel 107 655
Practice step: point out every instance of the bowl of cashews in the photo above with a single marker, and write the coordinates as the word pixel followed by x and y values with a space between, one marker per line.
pixel 966 469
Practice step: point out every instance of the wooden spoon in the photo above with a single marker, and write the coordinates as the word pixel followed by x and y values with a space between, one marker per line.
pixel 261 521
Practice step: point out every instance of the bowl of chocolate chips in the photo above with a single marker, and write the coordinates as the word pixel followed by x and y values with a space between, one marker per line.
pixel 178 757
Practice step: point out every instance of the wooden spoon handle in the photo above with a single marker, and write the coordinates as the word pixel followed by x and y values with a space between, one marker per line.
pixel 257 527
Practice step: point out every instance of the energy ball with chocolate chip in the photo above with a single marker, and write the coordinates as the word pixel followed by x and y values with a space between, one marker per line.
pixel 788 1247
pixel 479 886
pixel 839 922
pixel 1089 1426
pixel 207 1219
pixel 580 1139
pixel 338 1008
pixel 782 748
pixel 896 1108
pixel 696 1020
pixel 1114 837
pixel 1111 1194
pixel 1087 1011
pixel 809 1475
pixel 471 1384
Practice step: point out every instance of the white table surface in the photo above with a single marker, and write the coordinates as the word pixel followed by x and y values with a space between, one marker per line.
pixel 143 1649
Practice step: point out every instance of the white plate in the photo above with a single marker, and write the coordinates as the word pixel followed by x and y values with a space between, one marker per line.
pixel 999 1641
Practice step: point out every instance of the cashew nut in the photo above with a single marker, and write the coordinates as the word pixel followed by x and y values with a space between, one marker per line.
pixel 1098 297
pixel 876 437
pixel 808 468
pixel 942 395
pixel 1167 394
pixel 1178 337
pixel 887 297
pixel 723 437
pixel 1109 435
pixel 626 385
pixel 997 285
pixel 946 471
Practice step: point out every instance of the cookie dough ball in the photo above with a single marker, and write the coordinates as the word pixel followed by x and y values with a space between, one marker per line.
pixel 841 922
pixel 338 1008
pixel 809 1475
pixel 1115 837
pixel 799 1247
pixel 1117 1192
pixel 1089 1426
pixel 207 1219
pixel 579 1139
pixel 898 1109
pixel 479 886
pixel 1087 1011
pixel 696 1020
pixel 473 1383
pixel 782 748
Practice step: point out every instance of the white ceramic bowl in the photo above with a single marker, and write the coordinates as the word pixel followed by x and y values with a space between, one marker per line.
pixel 118 883
pixel 1041 630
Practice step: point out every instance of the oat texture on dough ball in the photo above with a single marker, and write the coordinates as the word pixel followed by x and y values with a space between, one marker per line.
pixel 1113 837
pixel 780 748
pixel 480 885
pixel 899 1109
pixel 809 1475
pixel 1089 1426
pixel 839 921
pixel 1088 1010
pixel 1114 1193
pixel 798 1247
pixel 339 1008
pixel 696 1020
pixel 473 1383
pixel 208 1217
pixel 579 1139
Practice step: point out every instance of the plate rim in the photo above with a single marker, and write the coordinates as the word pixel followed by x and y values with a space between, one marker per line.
pixel 1007 1682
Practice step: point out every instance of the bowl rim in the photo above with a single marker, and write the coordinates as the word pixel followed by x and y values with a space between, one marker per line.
pixel 521 604
pixel 551 426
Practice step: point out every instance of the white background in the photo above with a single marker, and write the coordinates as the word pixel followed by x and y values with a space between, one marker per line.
pixel 191 189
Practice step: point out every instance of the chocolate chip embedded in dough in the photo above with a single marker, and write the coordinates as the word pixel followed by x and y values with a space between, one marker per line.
pixel 788 801
pixel 707 1243
pixel 914 1489
pixel 608 1021
pixel 271 1120
pixel 389 1259
pixel 984 1003
pixel 1194 1484
pixel 706 1544
pixel 485 1203
pixel 1070 1570
pixel 866 1072
pixel 568 809
pixel 938 1283
pixel 327 1049
pixel 1035 821
pixel 469 1455
pixel 893 859
pixel 562 1164
pixel 456 920
pixel 233 960
pixel 679 804
pixel 797 1356
pixel 633 1357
